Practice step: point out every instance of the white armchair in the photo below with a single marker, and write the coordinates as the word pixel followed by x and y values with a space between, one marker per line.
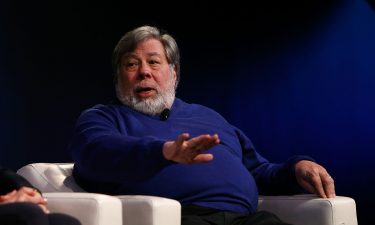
pixel 64 195
pixel 311 210
pixel 88 208
pixel 56 182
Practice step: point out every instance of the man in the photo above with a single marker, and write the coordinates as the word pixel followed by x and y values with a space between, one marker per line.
pixel 21 204
pixel 149 142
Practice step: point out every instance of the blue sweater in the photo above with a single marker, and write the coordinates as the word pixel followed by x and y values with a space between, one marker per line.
pixel 118 150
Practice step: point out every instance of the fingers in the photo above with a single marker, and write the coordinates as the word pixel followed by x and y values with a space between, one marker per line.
pixel 187 151
pixel 9 197
pixel 308 187
pixel 324 185
pixel 316 183
pixel 44 208
pixel 195 146
pixel 27 194
pixel 203 142
pixel 315 179
pixel 203 158
pixel 329 186
pixel 10 194
pixel 181 138
pixel 29 191
pixel 24 194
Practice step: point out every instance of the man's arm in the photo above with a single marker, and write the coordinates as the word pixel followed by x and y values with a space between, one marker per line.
pixel 296 175
pixel 104 154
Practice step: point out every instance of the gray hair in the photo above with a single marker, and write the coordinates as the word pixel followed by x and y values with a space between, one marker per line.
pixel 131 39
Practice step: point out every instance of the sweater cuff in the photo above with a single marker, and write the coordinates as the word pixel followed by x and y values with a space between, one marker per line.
pixel 290 165
pixel 158 154
pixel 291 162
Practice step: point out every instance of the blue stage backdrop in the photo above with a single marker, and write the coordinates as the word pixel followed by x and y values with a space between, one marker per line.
pixel 297 76
pixel 315 96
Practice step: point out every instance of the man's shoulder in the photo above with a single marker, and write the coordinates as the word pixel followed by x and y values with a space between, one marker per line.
pixel 109 106
pixel 195 107
pixel 179 103
pixel 102 109
pixel 97 107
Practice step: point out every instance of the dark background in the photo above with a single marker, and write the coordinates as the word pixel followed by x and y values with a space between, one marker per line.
pixel 296 76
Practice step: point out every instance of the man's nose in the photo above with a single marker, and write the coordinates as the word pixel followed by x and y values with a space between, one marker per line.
pixel 144 70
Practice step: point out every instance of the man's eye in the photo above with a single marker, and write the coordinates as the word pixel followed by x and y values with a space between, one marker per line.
pixel 152 62
pixel 131 65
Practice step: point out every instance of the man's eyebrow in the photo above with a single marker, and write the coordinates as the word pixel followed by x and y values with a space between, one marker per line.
pixel 153 54
pixel 129 54
pixel 132 55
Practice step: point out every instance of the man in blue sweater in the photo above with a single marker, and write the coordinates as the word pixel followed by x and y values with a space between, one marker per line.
pixel 149 142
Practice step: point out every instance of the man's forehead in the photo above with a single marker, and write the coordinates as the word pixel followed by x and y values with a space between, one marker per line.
pixel 148 48
pixel 135 55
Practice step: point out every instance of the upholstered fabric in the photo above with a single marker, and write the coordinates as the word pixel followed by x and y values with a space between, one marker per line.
pixel 64 195
pixel 51 177
pixel 150 210
pixel 311 210
pixel 57 184
pixel 88 208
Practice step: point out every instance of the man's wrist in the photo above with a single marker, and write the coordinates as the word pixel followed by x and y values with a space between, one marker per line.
pixel 168 150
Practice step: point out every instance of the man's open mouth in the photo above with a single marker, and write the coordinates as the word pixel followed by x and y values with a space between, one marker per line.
pixel 144 89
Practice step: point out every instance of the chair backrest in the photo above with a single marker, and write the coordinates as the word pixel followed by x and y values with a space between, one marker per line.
pixel 51 177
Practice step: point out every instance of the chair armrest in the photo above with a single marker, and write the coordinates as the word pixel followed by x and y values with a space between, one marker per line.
pixel 50 177
pixel 88 208
pixel 310 209
pixel 150 210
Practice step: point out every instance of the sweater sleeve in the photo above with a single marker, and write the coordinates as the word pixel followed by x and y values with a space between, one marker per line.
pixel 104 154
pixel 10 181
pixel 271 178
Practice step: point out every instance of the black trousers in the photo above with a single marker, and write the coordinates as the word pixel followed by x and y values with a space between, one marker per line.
pixel 198 215
pixel 23 213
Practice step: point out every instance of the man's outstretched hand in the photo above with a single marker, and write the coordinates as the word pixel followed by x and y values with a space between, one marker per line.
pixel 187 151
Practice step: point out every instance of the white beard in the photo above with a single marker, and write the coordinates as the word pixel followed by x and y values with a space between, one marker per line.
pixel 151 106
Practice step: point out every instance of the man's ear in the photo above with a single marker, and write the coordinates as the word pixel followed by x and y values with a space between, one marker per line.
pixel 172 68
pixel 174 73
